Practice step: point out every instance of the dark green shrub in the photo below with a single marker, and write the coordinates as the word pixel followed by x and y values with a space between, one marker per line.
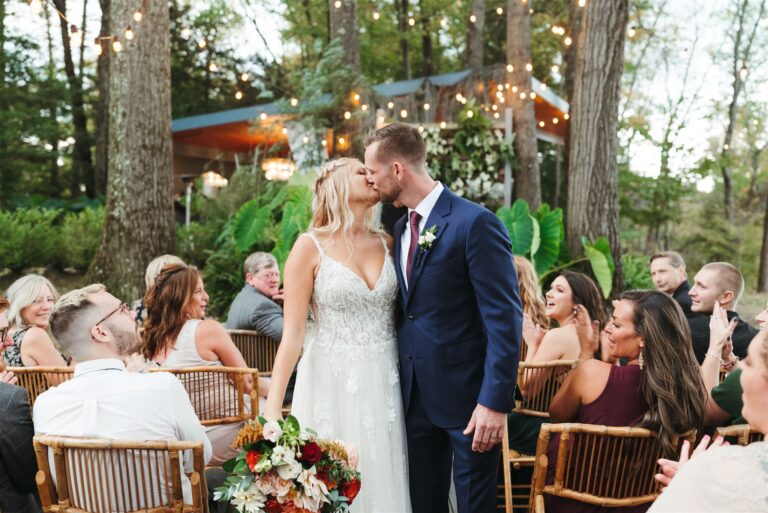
pixel 80 237
pixel 636 272
pixel 28 238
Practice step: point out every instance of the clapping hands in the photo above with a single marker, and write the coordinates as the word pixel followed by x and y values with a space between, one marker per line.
pixel 669 468
pixel 720 331
pixel 587 330
pixel 532 333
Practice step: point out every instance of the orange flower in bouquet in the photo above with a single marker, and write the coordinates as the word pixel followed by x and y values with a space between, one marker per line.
pixel 282 469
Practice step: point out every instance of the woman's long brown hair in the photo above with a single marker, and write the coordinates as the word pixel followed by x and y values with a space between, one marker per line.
pixel 672 385
pixel 167 307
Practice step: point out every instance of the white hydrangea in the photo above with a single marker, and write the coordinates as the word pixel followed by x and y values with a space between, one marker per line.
pixel 250 500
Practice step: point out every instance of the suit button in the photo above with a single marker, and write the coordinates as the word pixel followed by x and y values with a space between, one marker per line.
pixel 411 318
pixel 408 357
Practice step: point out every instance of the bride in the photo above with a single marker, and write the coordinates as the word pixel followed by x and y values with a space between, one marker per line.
pixel 347 386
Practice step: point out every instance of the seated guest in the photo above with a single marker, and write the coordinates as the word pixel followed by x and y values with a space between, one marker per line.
pixel 102 399
pixel 18 490
pixel 561 343
pixel 31 299
pixel 668 275
pixel 725 478
pixel 724 402
pixel 255 308
pixel 153 269
pixel 659 389
pixel 175 335
pixel 717 282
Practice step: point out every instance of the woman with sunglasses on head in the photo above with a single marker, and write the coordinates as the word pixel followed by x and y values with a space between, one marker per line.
pixel 175 334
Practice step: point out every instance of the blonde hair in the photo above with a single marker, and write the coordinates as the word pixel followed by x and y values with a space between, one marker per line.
pixel 67 314
pixel 330 206
pixel 25 291
pixel 533 303
pixel 156 265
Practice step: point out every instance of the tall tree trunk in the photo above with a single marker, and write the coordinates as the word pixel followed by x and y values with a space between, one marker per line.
pixel 343 26
pixel 139 222
pixel 53 164
pixel 102 106
pixel 527 179
pixel 558 175
pixel 742 46
pixel 401 6
pixel 762 275
pixel 82 166
pixel 475 35
pixel 574 29
pixel 593 181
pixel 427 54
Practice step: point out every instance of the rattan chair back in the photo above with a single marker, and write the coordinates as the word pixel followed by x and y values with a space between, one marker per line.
pixel 37 380
pixel 741 434
pixel 218 393
pixel 94 475
pixel 548 377
pixel 599 465
pixel 258 350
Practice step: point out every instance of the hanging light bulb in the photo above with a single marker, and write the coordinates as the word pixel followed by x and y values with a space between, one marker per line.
pixel 743 72
pixel 356 97
pixel 533 95
pixel 555 121
pixel 443 124
pixel 263 116
pixel 347 115
pixel 499 11
pixel 541 124
pixel 582 3
pixel 138 16
pixel 555 68
pixel 129 33
pixel 97 48
pixel 239 95
pixel 496 115
pixel 117 46
pixel 75 36
pixel 305 139
pixel 202 43
pixel 510 68
pixel 341 141
pixel 186 32
pixel 411 22
pixel 284 131
pixel 36 6
pixel 403 113
pixel 529 67
pixel 337 4
pixel 470 114
pixel 631 32
pixel 364 107
pixel 568 41
pixel 244 77
pixel 523 95
pixel 566 116
pixel 390 105
pixel 213 68
pixel 472 18
pixel 376 15
pixel 444 22
pixel 294 102
pixel 514 89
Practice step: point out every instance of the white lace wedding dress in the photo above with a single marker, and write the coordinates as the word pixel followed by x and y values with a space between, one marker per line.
pixel 730 479
pixel 347 386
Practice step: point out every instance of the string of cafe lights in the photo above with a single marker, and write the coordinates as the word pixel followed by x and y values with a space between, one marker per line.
pixel 76 35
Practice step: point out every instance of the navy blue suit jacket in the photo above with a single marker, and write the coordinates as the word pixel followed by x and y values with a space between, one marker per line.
pixel 460 320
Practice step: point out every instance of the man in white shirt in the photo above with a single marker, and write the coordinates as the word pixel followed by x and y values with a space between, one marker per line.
pixel 103 400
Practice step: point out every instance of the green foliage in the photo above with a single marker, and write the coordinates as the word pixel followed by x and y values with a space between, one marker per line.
pixel 540 237
pixel 35 237
pixel 636 272
pixel 470 160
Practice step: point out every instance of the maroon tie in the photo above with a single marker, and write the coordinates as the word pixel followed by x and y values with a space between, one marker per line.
pixel 413 222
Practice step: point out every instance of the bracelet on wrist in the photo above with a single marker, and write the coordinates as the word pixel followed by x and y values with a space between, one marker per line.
pixel 713 356
pixel 731 364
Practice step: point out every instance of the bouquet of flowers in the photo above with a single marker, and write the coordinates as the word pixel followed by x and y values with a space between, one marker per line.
pixel 282 469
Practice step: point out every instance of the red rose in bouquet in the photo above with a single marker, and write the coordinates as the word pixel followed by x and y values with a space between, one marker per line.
pixel 272 506
pixel 252 458
pixel 350 489
pixel 311 453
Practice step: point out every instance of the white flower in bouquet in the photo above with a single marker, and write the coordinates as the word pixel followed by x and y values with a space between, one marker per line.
pixel 264 465
pixel 272 431
pixel 290 470
pixel 282 455
pixel 314 492
pixel 272 484
pixel 250 500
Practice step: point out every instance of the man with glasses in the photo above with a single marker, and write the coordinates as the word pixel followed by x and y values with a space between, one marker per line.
pixel 103 400
pixel 256 305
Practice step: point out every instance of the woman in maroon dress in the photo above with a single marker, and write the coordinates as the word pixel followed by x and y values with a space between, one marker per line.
pixel 660 388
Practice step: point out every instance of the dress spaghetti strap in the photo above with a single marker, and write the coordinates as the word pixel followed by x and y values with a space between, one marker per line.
pixel 317 243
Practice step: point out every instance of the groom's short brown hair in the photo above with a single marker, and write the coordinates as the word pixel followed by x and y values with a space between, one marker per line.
pixel 398 140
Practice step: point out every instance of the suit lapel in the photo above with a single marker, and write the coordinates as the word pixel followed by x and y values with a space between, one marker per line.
pixel 438 217
pixel 397 233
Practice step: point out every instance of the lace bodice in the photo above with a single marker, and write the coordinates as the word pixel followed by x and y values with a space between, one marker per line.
pixel 346 312
pixel 730 479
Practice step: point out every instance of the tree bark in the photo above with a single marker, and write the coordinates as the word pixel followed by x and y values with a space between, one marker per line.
pixel 427 54
pixel 102 106
pixel 401 6
pixel 593 195
pixel 82 165
pixel 575 14
pixel 139 222
pixel 53 164
pixel 343 26
pixel 527 178
pixel 475 35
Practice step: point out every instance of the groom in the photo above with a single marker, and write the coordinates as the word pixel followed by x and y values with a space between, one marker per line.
pixel 459 326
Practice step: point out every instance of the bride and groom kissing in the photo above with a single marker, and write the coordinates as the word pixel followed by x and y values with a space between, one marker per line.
pixel 414 351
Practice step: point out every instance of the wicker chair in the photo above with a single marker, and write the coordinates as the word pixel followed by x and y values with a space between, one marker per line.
pixel 258 350
pixel 516 495
pixel 218 393
pixel 599 465
pixel 37 380
pixel 95 475
pixel 741 434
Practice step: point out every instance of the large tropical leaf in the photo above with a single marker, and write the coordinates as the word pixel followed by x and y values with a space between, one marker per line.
pixel 250 225
pixel 519 224
pixel 551 236
pixel 601 263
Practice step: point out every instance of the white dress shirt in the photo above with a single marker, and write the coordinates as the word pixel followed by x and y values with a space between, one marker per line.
pixel 102 400
pixel 423 209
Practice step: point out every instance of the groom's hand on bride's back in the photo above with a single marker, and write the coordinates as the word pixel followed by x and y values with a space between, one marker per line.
pixel 488 427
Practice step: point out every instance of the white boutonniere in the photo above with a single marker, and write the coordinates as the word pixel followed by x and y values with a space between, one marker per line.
pixel 428 238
